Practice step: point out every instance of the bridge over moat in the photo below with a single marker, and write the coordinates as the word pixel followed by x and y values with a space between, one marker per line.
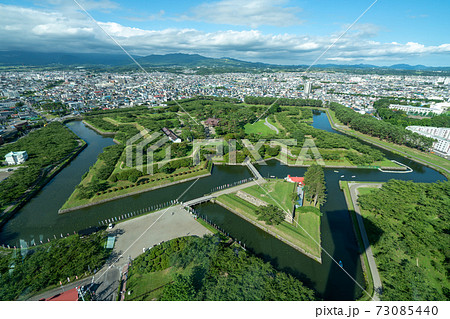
pixel 258 181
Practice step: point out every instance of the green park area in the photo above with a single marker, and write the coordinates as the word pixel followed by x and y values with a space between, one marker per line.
pixel 351 209
pixel 112 176
pixel 304 232
pixel 208 269
pixel 386 135
pixel 49 148
pixel 28 271
pixel 406 224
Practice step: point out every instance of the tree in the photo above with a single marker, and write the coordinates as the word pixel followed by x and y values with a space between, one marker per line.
pixel 315 185
pixel 271 214
pixel 181 289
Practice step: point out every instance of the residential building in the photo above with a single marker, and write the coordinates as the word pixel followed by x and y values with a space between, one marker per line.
pixel 15 158
pixel 440 134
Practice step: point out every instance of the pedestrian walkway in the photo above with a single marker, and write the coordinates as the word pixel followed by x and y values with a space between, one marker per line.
pixel 377 286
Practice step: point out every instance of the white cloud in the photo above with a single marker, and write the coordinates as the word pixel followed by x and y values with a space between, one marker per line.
pixel 251 13
pixel 43 30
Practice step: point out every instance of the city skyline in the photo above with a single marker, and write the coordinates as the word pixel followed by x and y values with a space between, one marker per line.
pixel 270 31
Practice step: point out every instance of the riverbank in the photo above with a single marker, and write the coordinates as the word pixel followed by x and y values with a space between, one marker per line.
pixel 433 161
pixel 367 260
pixel 41 182
pixel 99 131
pixel 228 207
pixel 394 166
pixel 140 191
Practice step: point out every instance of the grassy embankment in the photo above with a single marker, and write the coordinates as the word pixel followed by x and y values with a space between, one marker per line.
pixel 281 192
pixel 365 265
pixel 436 162
pixel 121 188
pixel 124 187
pixel 344 162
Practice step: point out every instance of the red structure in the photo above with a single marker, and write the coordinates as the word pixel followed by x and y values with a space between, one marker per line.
pixel 69 295
pixel 212 121
pixel 293 179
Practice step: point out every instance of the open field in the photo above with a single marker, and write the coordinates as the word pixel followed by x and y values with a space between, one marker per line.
pixel 281 192
pixel 274 192
pixel 259 128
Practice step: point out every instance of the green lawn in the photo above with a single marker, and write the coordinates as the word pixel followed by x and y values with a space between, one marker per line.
pixel 274 192
pixel 148 286
pixel 290 232
pixel 259 128
pixel 365 190
pixel 74 201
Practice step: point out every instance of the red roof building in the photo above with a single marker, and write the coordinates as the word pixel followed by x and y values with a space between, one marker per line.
pixel 212 121
pixel 69 295
pixel 293 179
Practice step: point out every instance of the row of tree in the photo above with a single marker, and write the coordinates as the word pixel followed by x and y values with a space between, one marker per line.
pixel 315 185
pixel 369 125
pixel 328 140
pixel 259 100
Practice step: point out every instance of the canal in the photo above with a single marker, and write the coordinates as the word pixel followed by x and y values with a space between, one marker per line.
pixel 39 219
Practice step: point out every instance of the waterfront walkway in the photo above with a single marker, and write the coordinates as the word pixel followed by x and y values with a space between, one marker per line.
pixel 353 187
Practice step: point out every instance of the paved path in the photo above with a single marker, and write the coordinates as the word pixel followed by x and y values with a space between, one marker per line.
pixel 272 127
pixel 55 291
pixel 132 236
pixel 372 265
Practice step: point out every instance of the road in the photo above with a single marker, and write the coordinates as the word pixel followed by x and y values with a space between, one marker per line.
pixel 272 127
pixel 372 265
pixel 132 237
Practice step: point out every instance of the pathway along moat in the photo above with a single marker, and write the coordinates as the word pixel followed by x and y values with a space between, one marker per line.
pixel 39 219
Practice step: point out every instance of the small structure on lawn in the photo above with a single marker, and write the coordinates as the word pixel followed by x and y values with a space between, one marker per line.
pixel 294 179
pixel 110 242
pixel 300 184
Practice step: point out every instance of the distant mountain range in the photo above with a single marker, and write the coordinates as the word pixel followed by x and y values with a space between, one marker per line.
pixel 24 58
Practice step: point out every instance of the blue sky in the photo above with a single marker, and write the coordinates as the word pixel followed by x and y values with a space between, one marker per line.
pixel 274 31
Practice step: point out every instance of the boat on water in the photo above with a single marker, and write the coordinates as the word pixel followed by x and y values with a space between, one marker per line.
pixel 353 176
pixel 342 175
pixel 341 264
pixel 336 171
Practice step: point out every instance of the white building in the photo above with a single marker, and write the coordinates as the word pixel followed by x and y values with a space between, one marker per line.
pixel 14 158
pixel 435 108
pixel 308 87
pixel 441 134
